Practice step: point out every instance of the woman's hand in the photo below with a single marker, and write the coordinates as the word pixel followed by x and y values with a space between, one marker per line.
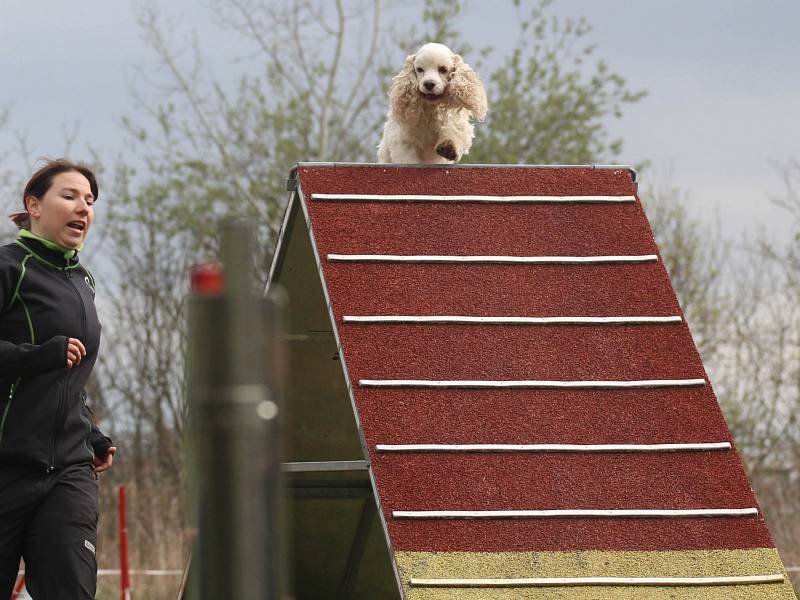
pixel 103 464
pixel 75 352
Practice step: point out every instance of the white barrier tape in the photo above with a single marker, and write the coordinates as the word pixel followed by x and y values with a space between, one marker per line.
pixel 153 572
pixel 459 319
pixel 552 447
pixel 560 513
pixel 429 258
pixel 473 198
pixel 463 383
pixel 600 581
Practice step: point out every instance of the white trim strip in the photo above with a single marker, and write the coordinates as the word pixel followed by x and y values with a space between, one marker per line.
pixel 576 512
pixel 463 319
pixel 155 572
pixel 547 260
pixel 105 572
pixel 553 447
pixel 599 581
pixel 428 383
pixel 473 198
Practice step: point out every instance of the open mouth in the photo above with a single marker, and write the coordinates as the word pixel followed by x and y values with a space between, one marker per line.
pixel 77 226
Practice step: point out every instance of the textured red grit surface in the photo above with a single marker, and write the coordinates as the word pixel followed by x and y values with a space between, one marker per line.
pixel 522 416
pixel 464 180
pixel 478 229
pixel 484 229
pixel 678 480
pixel 547 481
pixel 521 352
pixel 500 290
pixel 546 535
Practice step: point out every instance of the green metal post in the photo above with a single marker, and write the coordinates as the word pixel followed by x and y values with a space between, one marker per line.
pixel 235 372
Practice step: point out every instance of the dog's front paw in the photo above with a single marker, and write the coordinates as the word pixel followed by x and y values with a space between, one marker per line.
pixel 447 149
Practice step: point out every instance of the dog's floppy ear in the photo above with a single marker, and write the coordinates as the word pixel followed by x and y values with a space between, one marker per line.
pixel 466 90
pixel 403 92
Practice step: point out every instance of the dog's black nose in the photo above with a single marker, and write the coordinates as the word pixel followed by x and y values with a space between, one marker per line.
pixel 429 85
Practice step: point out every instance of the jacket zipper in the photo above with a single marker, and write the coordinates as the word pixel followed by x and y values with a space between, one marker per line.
pixel 8 406
pixel 65 390
pixel 61 397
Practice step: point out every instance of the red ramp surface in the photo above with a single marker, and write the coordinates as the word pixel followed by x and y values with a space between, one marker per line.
pixel 497 326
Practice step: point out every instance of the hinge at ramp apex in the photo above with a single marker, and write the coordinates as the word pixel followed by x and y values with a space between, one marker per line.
pixel 634 177
pixel 291 181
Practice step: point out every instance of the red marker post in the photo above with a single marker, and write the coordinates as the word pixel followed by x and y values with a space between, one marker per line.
pixel 207 279
pixel 18 588
pixel 124 577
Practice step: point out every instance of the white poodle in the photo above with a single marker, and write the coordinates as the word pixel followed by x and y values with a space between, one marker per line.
pixel 432 99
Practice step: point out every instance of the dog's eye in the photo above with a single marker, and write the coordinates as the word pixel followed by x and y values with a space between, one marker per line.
pixel 420 70
pixel 443 70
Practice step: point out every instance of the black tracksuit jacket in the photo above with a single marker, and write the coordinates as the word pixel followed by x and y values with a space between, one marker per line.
pixel 45 298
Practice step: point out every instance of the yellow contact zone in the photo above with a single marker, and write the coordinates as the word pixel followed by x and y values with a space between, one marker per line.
pixel 519 565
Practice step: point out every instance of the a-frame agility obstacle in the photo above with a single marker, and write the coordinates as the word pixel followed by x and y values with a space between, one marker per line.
pixel 494 394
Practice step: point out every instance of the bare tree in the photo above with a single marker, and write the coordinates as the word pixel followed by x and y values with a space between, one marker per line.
pixel 206 154
pixel 550 98
pixel 7 197
pixel 139 382
pixel 695 256
pixel 745 318
pixel 761 369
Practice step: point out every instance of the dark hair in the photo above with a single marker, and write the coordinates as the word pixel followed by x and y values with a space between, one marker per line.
pixel 41 181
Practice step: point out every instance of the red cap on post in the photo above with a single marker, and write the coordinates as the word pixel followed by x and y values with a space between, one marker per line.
pixel 207 279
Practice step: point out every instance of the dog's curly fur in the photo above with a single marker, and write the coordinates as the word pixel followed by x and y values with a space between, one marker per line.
pixel 432 101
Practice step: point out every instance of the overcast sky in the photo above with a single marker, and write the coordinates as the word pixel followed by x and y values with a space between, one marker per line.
pixel 722 76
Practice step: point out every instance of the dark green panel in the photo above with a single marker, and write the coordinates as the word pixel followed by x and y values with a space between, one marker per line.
pixel 320 424
pixel 334 556
pixel 338 546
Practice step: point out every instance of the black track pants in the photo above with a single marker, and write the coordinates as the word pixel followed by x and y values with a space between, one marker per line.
pixel 51 521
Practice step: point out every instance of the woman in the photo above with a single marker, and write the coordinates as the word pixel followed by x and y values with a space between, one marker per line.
pixel 50 450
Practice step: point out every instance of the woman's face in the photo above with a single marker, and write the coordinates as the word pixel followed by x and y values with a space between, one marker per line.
pixel 64 214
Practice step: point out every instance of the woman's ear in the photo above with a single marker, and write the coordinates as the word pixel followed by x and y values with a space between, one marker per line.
pixel 466 89
pixel 403 92
pixel 32 204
